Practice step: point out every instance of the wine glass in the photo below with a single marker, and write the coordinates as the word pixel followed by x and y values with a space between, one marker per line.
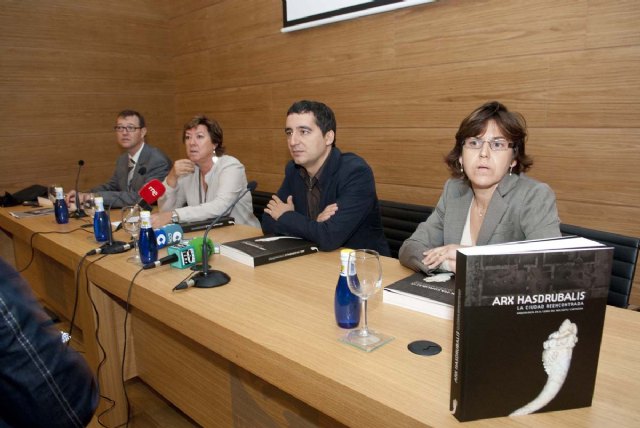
pixel 364 277
pixel 131 223
pixel 89 206
pixel 51 192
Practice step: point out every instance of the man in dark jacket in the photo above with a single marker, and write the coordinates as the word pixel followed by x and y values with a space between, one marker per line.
pixel 327 196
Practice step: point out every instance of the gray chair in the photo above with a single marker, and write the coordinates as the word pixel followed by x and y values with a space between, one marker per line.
pixel 625 257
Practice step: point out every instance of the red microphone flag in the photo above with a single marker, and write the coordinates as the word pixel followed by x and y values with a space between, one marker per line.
pixel 152 191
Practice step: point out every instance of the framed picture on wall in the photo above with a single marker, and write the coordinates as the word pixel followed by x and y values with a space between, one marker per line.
pixel 301 14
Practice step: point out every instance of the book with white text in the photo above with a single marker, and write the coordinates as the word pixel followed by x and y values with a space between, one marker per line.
pixel 267 249
pixel 527 326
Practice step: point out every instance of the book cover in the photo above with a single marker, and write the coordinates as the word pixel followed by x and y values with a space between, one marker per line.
pixel 432 295
pixel 203 224
pixel 267 249
pixel 527 327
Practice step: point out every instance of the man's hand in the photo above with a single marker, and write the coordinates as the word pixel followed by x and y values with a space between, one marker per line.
pixel 276 207
pixel 327 212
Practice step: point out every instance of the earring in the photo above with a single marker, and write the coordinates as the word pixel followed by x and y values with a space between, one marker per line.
pixel 461 169
pixel 510 169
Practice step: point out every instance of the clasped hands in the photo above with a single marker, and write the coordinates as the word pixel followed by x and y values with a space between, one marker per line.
pixel 276 207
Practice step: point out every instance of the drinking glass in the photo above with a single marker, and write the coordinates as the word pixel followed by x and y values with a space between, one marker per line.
pixel 131 223
pixel 364 277
pixel 89 207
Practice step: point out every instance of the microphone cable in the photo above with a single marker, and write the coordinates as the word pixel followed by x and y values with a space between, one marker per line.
pixel 124 347
pixel 103 357
pixel 33 235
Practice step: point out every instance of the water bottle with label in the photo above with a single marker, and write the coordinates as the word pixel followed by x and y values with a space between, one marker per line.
pixel 147 242
pixel 101 222
pixel 60 207
pixel 346 304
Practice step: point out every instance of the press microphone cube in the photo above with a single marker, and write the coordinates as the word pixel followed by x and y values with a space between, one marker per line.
pixel 185 253
pixel 161 238
pixel 174 233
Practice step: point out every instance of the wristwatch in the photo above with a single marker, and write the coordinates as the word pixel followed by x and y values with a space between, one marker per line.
pixel 175 218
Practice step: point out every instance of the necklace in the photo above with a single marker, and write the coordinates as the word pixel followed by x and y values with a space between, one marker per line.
pixel 478 210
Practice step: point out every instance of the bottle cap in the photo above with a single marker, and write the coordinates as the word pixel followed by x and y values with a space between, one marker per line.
pixel 344 254
pixel 59 193
pixel 99 203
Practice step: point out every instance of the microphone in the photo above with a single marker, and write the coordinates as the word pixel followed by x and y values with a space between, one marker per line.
pixel 168 234
pixel 112 249
pixel 215 278
pixel 180 256
pixel 149 193
pixel 79 212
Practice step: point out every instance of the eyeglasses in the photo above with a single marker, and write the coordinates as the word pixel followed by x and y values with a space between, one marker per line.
pixel 128 128
pixel 496 144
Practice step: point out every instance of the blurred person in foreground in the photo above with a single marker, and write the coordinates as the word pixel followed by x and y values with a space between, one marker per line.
pixel 489 199
pixel 327 197
pixel 43 382
pixel 206 183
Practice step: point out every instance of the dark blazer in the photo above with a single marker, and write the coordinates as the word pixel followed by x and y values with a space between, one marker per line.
pixel 347 180
pixel 115 191
pixel 521 208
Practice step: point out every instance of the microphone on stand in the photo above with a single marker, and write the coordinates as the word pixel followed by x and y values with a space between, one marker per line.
pixel 79 212
pixel 149 193
pixel 215 278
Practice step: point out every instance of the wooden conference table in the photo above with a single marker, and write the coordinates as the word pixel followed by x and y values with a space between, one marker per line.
pixel 264 351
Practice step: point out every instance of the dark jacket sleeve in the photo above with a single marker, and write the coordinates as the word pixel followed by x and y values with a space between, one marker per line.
pixel 43 382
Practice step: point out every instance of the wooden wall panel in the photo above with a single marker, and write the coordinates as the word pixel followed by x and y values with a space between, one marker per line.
pixel 67 69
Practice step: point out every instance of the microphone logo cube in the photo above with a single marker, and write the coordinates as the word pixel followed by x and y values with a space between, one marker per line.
pixel 161 238
pixel 185 253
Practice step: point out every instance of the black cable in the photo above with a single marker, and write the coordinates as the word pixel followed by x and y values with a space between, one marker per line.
pixel 75 300
pixel 103 360
pixel 124 348
pixel 33 235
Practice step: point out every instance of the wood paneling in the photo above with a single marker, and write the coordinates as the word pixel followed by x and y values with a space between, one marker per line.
pixel 67 69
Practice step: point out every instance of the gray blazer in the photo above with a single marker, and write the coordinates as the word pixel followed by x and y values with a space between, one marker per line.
pixel 116 192
pixel 521 208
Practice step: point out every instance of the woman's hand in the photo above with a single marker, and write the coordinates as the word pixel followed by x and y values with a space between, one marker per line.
pixel 160 219
pixel 180 167
pixel 434 257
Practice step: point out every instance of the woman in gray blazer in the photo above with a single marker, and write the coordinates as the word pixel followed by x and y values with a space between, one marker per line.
pixel 207 182
pixel 488 200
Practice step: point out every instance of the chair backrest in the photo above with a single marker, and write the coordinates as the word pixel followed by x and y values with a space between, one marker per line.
pixel 260 201
pixel 400 220
pixel 625 257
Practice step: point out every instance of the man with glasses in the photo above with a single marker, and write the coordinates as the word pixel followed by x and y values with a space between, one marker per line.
pixel 139 164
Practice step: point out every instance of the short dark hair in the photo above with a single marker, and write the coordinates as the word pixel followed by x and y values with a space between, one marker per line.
pixel 511 124
pixel 213 127
pixel 325 119
pixel 128 113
